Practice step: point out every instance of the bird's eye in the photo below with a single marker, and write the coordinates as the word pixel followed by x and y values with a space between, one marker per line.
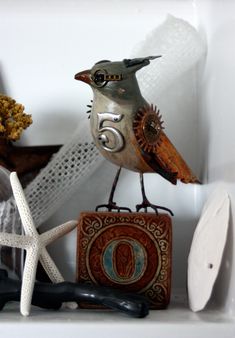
pixel 100 78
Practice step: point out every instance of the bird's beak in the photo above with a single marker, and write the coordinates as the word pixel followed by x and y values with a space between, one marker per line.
pixel 84 76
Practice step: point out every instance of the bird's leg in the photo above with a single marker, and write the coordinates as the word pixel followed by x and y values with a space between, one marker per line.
pixel 146 204
pixel 111 204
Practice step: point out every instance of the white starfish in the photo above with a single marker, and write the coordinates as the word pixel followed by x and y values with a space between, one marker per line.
pixel 34 244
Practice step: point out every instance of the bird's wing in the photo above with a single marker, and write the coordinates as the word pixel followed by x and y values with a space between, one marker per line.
pixel 157 150
pixel 167 155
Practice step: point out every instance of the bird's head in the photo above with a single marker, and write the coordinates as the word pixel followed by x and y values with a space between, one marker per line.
pixel 115 79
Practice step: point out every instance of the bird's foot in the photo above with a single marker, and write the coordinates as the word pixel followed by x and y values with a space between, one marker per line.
pixel 112 206
pixel 146 204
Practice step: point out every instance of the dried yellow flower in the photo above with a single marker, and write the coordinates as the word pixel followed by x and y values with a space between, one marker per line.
pixel 13 120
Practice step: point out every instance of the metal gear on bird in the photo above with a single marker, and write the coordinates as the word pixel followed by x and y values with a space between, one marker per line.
pixel 127 130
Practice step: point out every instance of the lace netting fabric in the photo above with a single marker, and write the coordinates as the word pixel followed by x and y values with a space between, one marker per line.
pixel 182 47
pixel 74 162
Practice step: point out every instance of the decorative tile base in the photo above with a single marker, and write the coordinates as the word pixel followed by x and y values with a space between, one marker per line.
pixel 129 251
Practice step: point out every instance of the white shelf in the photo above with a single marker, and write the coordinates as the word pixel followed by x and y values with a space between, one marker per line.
pixel 176 321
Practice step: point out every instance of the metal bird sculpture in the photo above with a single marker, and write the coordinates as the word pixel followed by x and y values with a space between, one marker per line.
pixel 127 130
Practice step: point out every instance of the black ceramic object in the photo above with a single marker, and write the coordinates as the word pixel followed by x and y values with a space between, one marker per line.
pixel 51 296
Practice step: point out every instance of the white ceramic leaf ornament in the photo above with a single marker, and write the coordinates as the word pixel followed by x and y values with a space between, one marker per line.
pixel 207 249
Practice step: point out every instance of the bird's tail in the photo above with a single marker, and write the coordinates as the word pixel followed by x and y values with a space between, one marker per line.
pixel 173 162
